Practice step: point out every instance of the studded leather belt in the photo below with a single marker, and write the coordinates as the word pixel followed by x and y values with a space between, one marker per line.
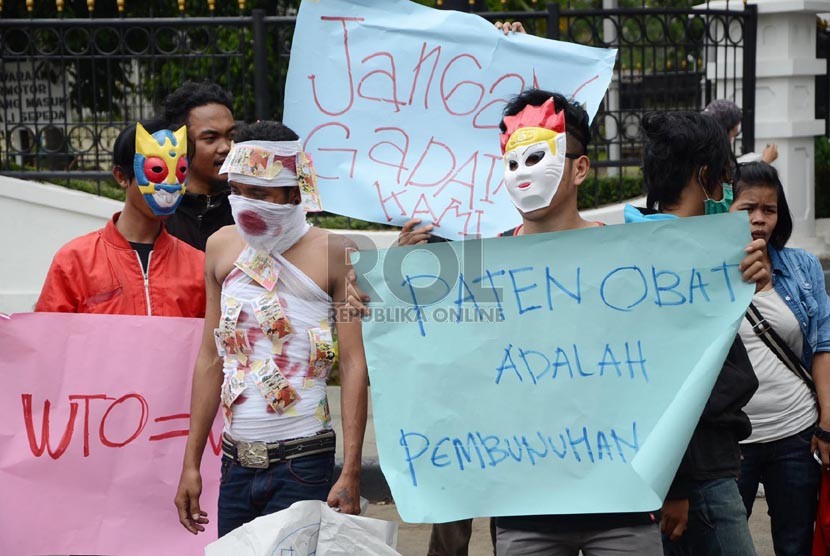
pixel 259 455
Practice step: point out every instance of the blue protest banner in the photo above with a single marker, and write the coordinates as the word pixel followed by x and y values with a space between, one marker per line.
pixel 399 106
pixel 549 374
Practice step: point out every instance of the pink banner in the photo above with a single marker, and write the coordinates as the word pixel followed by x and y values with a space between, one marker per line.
pixel 93 420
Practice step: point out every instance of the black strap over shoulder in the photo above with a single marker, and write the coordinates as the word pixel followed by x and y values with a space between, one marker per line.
pixel 778 346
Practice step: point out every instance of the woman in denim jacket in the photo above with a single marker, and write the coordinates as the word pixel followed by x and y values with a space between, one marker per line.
pixel 783 411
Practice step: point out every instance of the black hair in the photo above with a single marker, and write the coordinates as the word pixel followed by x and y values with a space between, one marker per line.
pixel 760 174
pixel 725 112
pixel 192 94
pixel 123 150
pixel 265 131
pixel 678 145
pixel 577 123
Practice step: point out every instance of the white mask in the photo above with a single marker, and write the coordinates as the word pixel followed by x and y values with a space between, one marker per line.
pixel 268 227
pixel 533 173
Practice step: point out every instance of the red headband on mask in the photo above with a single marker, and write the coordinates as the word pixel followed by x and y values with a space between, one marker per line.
pixel 544 116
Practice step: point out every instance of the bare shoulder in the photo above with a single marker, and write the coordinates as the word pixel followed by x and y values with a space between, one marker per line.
pixel 223 248
pixel 334 242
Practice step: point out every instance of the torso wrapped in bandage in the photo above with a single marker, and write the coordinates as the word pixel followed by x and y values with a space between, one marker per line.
pixel 275 337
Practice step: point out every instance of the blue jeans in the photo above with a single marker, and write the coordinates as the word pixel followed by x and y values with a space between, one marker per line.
pixel 717 523
pixel 246 494
pixel 791 480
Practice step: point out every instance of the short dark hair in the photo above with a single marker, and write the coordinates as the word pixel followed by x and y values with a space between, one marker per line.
pixel 577 123
pixel 123 150
pixel 761 174
pixel 677 145
pixel 265 131
pixel 192 94
pixel 725 112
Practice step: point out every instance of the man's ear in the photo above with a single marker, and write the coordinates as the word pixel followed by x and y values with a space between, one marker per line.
pixel 120 177
pixel 580 169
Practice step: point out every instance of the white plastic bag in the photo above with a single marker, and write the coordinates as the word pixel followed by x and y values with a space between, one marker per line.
pixel 307 528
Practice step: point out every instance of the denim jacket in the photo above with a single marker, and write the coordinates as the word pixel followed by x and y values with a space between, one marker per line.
pixel 799 279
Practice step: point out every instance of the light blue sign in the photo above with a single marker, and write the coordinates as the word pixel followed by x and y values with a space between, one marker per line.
pixel 399 106
pixel 549 374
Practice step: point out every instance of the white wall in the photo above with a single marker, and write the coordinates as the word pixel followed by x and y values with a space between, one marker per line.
pixel 36 219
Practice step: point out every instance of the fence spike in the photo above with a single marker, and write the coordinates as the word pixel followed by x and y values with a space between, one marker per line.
pixel 30 6
pixel 212 5
pixel 241 5
pixel 122 5
pixel 90 5
pixel 59 6
pixel 181 6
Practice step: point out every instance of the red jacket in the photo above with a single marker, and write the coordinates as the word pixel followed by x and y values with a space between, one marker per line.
pixel 101 273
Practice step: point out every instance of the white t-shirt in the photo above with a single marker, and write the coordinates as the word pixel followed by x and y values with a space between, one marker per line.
pixel 783 404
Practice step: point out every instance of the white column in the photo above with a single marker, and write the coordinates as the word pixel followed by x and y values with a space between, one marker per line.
pixel 612 128
pixel 786 67
pixel 785 105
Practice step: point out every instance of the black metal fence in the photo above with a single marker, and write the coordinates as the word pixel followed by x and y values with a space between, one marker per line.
pixel 68 85
pixel 669 59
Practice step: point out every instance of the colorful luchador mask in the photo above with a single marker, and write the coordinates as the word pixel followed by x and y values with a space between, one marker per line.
pixel 160 167
pixel 534 155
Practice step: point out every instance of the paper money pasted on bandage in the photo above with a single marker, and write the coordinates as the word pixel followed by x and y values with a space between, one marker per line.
pixel 232 344
pixel 271 318
pixel 323 352
pixel 274 387
pixel 253 161
pixel 233 386
pixel 260 267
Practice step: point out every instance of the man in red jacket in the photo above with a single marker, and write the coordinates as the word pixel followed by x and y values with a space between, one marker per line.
pixel 132 266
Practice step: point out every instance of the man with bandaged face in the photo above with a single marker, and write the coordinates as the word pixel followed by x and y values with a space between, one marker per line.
pixel 272 284
pixel 132 266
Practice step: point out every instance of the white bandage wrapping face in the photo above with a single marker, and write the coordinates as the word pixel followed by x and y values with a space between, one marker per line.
pixel 262 163
pixel 266 226
pixel 274 164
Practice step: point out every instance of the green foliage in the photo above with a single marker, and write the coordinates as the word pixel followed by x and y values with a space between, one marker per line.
pixel 106 188
pixel 822 162
pixel 338 222
pixel 608 190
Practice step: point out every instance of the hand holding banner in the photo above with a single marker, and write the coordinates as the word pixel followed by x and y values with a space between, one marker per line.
pixel 548 374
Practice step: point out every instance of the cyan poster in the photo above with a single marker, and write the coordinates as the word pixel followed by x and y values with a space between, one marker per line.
pixel 557 373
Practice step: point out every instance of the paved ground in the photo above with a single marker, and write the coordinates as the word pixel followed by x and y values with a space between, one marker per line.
pixel 414 538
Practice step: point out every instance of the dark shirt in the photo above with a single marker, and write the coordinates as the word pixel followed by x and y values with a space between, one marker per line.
pixel 199 216
pixel 143 250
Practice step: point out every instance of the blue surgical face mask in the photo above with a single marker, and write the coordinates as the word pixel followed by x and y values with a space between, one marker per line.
pixel 710 206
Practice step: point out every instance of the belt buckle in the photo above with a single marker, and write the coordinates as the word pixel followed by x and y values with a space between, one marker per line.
pixel 761 327
pixel 252 454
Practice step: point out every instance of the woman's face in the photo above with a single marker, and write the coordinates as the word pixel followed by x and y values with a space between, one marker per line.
pixel 761 202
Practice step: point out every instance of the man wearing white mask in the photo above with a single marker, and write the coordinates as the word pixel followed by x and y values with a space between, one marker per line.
pixel 544 139
pixel 272 281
